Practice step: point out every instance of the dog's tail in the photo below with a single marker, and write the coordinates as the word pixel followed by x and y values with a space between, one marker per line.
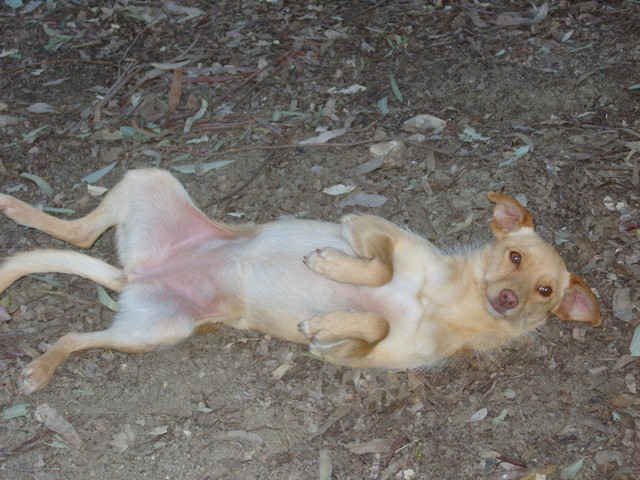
pixel 62 261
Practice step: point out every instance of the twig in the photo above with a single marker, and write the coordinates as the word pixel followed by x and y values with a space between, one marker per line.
pixel 63 61
pixel 289 146
pixel 126 52
pixel 596 70
pixel 276 65
pixel 256 173
pixel 120 82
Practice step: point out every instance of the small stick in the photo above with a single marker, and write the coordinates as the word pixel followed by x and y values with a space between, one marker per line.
pixel 120 82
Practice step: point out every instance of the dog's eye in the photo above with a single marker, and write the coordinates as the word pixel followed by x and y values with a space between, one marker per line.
pixel 515 257
pixel 545 291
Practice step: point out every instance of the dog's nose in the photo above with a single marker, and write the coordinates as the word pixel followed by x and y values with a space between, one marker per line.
pixel 507 299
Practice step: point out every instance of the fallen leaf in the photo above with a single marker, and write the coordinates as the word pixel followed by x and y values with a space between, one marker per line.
pixel 324 137
pixel 124 439
pixel 630 382
pixel 7 120
pixel 325 467
pixel 362 199
pixel 48 279
pixel 171 66
pixel 634 348
pixel 237 435
pixel 424 123
pixel 279 372
pixel 517 154
pixel 460 226
pixel 622 305
pixel 370 165
pixel 623 361
pixel 202 139
pixel 56 38
pixel 64 211
pixel 605 457
pixel 623 400
pixel 157 156
pixel 500 417
pixel 96 190
pixel 15 411
pixel 197 116
pixel 572 470
pixel 393 152
pixel 57 81
pixel 339 189
pixel 383 106
pixel 93 177
pixel 15 4
pixel 350 90
pixel 470 135
pixel 106 300
pixel 161 430
pixel 33 135
pixel 57 423
pixel 189 12
pixel 41 108
pixel 376 445
pixel 42 184
pixel 395 89
pixel 479 415
pixel 201 168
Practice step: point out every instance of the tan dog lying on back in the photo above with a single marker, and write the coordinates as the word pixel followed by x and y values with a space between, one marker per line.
pixel 368 294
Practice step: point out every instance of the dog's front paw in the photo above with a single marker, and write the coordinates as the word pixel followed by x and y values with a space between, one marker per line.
pixel 35 376
pixel 324 261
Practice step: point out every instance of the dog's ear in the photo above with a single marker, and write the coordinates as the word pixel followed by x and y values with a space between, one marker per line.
pixel 578 303
pixel 508 215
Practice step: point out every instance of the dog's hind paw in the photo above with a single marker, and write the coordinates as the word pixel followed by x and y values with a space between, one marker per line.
pixel 321 348
pixel 34 377
pixel 13 208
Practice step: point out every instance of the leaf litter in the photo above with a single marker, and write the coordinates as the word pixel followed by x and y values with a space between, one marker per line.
pixel 54 421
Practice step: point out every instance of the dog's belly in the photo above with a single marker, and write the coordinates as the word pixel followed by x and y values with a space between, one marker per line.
pixel 278 290
pixel 263 277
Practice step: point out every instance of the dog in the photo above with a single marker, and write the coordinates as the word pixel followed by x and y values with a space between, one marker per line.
pixel 362 293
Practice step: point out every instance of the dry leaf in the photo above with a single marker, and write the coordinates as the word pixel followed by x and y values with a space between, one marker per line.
pixel 339 189
pixel 324 137
pixel 479 415
pixel 57 423
pixel 376 445
pixel 123 440
pixel 362 199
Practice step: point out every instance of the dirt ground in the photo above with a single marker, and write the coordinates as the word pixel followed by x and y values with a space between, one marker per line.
pixel 541 103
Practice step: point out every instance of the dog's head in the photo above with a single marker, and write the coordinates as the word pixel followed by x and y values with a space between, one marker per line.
pixel 524 278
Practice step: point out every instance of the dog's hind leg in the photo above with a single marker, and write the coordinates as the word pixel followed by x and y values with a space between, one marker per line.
pixel 81 232
pixel 150 207
pixel 146 320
